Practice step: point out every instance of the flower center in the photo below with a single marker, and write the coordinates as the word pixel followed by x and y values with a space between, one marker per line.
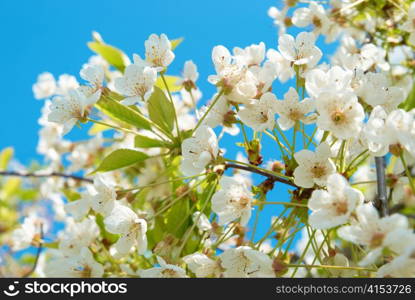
pixel 316 22
pixel 341 207
pixel 377 239
pixel 169 273
pixel 338 117
pixel 294 114
pixel 263 117
pixel 242 202
pixel 318 171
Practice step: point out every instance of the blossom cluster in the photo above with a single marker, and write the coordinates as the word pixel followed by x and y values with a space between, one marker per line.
pixel 155 195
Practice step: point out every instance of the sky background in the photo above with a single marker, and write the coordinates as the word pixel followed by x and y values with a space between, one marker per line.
pixel 50 35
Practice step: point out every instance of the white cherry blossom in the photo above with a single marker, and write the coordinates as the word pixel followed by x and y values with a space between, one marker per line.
pixel 202 265
pixel 314 15
pixel 137 83
pixel 69 109
pixel 301 51
pixel 334 79
pixel 409 24
pixel 340 113
pixel 244 262
pixel 95 77
pixel 291 110
pixel 158 52
pixel 45 86
pixel 82 265
pixel 198 151
pixel 377 233
pixel 132 230
pixel 333 207
pixel 260 114
pixel 313 167
pixel 165 270
pixel 232 201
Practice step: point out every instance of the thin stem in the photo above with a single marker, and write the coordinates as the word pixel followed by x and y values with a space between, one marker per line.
pixel 189 232
pixel 172 103
pixel 208 110
pixel 260 172
pixel 408 173
pixel 330 267
pixel 284 137
pixel 53 174
pixel 39 251
pixel 163 182
pixel 305 251
pixel 355 159
pixel 312 137
pixel 272 229
pixel 257 212
pixel 276 139
pixel 112 126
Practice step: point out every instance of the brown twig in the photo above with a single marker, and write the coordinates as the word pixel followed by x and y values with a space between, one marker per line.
pixel 53 174
pixel 263 173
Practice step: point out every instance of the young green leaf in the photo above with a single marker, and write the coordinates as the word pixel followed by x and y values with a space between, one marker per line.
pixel 161 110
pixel 117 111
pixel 171 83
pixel 121 158
pixel 175 224
pixel 5 156
pixel 142 141
pixel 112 55
pixel 176 42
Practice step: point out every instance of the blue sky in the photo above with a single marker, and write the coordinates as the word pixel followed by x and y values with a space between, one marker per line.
pixel 50 35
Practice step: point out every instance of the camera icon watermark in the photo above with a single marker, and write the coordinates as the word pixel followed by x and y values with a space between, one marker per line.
pixel 12 290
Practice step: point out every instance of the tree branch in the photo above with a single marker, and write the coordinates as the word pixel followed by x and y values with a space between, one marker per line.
pixel 53 174
pixel 381 184
pixel 253 170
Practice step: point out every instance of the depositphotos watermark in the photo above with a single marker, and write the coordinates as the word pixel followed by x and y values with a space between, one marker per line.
pixel 71 289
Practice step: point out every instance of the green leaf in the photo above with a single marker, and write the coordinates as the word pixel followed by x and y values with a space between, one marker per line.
pixel 71 195
pixel 112 55
pixel 10 188
pixel 121 158
pixel 176 42
pixel 161 110
pixel 142 141
pixel 97 128
pixel 109 238
pixel 171 83
pixel 409 103
pixel 120 112
pixel 5 156
pixel 175 222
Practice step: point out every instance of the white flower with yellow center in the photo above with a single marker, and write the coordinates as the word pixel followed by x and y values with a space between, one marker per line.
pixel 340 113
pixel 291 110
pixel 137 83
pixel 368 229
pixel 69 109
pixel 132 230
pixel 313 167
pixel 232 201
pixel 245 262
pixel 164 270
pixel 198 151
pixel 260 114
pixel 158 52
pixel 333 207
